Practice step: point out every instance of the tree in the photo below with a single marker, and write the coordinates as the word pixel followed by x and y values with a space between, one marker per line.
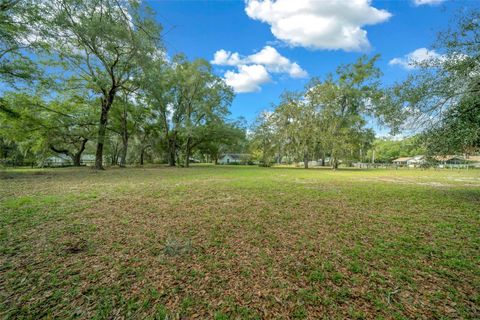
pixel 297 125
pixel 458 132
pixel 63 125
pixel 344 100
pixel 17 36
pixel 128 114
pixel 202 101
pixel 264 139
pixel 159 86
pixel 442 93
pixel 102 42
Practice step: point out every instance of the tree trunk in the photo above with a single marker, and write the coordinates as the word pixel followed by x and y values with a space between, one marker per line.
pixel 335 164
pixel 102 128
pixel 77 157
pixel 171 152
pixel 305 161
pixel 123 159
pixel 187 154
pixel 141 156
pixel 123 156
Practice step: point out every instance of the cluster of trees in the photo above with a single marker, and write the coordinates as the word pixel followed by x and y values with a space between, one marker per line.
pixel 440 100
pixel 95 71
pixel 328 119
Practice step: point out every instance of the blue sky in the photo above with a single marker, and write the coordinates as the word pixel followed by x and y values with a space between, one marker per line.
pixel 201 28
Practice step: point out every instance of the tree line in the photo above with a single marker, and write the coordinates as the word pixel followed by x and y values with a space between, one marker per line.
pixel 439 102
pixel 94 75
pixel 96 71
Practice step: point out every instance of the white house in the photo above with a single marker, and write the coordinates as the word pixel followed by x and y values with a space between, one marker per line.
pixel 473 161
pixel 87 159
pixel 59 160
pixel 228 158
pixel 402 161
pixel 411 162
pixel 62 160
pixel 416 161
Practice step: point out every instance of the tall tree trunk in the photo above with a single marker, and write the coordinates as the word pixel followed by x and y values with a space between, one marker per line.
pixel 102 128
pixel 187 153
pixel 171 151
pixel 123 159
pixel 305 160
pixel 335 163
pixel 77 157
pixel 141 156
pixel 123 156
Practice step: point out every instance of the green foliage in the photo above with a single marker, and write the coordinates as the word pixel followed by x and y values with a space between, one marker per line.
pixel 18 36
pixel 441 97
pixel 386 150
pixel 63 125
pixel 328 118
pixel 459 130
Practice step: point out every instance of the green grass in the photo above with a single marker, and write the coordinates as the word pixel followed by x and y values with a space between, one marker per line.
pixel 239 243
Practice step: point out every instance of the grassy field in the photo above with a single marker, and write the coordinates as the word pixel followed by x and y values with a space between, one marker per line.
pixel 239 243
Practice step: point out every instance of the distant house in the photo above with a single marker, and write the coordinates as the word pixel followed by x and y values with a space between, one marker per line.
pixel 411 162
pixel 449 160
pixel 473 161
pixel 87 159
pixel 402 161
pixel 416 161
pixel 62 160
pixel 59 160
pixel 238 158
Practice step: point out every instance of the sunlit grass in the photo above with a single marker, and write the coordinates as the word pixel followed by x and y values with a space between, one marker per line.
pixel 239 242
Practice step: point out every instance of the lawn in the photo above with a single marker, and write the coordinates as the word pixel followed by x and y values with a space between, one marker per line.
pixel 237 242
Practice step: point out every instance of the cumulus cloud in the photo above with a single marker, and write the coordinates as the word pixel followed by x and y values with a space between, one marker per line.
pixel 226 58
pixel 275 62
pixel 327 24
pixel 413 59
pixel 255 69
pixel 248 78
pixel 427 2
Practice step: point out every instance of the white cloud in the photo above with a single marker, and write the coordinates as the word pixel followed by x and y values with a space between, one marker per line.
pixel 268 58
pixel 275 62
pixel 327 24
pixel 248 78
pixel 415 58
pixel 427 2
pixel 226 58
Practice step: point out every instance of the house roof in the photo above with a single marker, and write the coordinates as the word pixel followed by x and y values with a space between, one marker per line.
pixel 58 157
pixel 473 158
pixel 447 158
pixel 235 156
pixel 88 157
pixel 419 157
pixel 402 159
